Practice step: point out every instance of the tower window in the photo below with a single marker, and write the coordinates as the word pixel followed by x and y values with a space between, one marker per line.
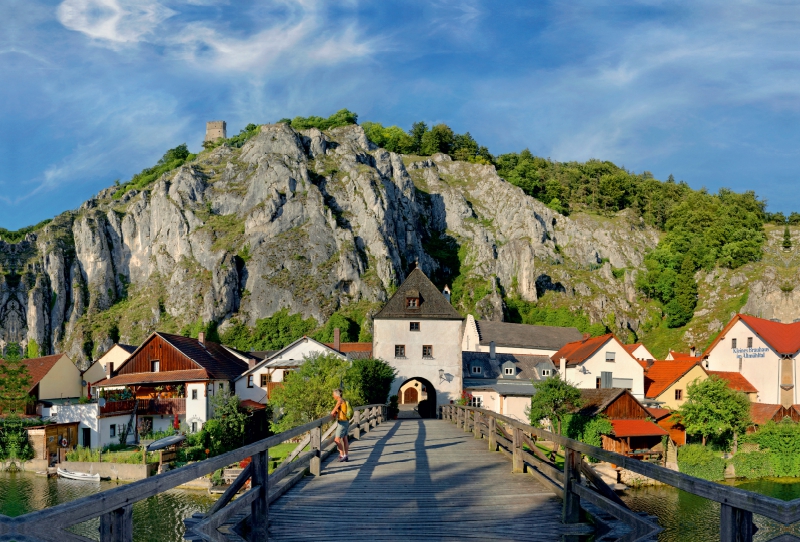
pixel 399 350
pixel 413 326
pixel 427 351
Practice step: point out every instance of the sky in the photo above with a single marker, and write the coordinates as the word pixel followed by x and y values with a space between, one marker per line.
pixel 96 90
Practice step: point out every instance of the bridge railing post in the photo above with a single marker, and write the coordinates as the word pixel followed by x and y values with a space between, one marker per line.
pixel 315 443
pixel 476 425
pixel 492 423
pixel 259 509
pixel 735 524
pixel 517 461
pixel 571 512
pixel 356 427
pixel 117 525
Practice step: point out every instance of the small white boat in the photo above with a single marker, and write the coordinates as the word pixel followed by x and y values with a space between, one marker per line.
pixel 78 476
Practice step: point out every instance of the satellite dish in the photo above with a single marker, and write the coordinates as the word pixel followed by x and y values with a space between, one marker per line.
pixel 101 402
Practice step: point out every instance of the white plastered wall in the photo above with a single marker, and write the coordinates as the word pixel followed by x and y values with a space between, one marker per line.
pixel 86 416
pixel 62 380
pixel 624 365
pixel 196 409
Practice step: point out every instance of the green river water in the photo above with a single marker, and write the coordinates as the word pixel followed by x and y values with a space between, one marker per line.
pixel 685 517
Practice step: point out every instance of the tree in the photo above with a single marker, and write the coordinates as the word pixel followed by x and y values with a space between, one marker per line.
pixel 15 382
pixel 226 429
pixel 787 238
pixel 369 381
pixel 438 139
pixel 417 132
pixel 712 409
pixel 306 394
pixel 553 399
pixel 680 309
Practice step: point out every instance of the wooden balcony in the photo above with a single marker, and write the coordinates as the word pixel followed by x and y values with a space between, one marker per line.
pixel 147 406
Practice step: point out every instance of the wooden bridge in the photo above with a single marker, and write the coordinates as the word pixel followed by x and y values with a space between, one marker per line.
pixel 462 477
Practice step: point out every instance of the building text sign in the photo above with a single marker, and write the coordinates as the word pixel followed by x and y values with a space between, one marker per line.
pixel 751 352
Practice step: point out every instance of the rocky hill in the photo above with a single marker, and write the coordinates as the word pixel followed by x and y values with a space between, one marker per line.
pixel 314 223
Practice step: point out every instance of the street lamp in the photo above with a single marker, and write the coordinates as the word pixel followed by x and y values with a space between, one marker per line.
pixel 441 375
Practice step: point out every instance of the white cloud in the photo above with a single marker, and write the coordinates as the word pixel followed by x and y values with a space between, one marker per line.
pixel 115 21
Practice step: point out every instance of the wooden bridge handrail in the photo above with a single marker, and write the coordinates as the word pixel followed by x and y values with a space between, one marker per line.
pixel 49 524
pixel 736 503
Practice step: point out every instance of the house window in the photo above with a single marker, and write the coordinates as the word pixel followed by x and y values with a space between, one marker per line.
pixel 427 351
pixel 678 395
pixel 194 427
pixel 510 371
pixel 476 401
pixel 249 381
pixel 476 369
pixel 547 372
pixel 112 431
pixel 265 379
pixel 749 342
pixel 413 326
pixel 733 343
pixel 155 365
pixel 611 356
pixel 412 302
pixel 194 395
pixel 597 383
pixel 221 386
pixel 399 350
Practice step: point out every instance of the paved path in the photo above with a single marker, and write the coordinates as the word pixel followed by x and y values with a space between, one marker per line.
pixel 418 480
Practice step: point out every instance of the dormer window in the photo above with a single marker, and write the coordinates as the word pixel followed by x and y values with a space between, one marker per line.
pixel 412 302
pixel 509 371
pixel 547 372
pixel 476 369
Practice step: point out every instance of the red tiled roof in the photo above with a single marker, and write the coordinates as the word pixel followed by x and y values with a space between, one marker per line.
pixel 662 374
pixel 345 348
pixel 642 362
pixel 255 405
pixel 784 338
pixel 579 351
pixel 659 413
pixel 186 375
pixel 631 347
pixel 761 413
pixel 39 367
pixel 735 381
pixel 637 428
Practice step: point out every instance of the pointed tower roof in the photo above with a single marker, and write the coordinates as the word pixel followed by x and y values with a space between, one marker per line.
pixel 430 305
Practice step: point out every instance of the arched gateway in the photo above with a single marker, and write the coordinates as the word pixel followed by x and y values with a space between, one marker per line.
pixel 419 333
pixel 418 394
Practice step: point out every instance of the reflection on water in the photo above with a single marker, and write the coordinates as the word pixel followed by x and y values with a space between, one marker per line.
pixel 686 517
pixel 157 519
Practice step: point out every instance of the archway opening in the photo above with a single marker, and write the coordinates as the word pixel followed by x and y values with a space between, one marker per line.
pixel 417 395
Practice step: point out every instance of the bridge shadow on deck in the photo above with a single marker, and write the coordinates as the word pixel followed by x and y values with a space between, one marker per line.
pixel 419 480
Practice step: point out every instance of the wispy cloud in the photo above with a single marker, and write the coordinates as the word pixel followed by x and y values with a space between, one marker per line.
pixel 113 21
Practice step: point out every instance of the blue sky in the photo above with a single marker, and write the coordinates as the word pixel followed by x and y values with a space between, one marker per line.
pixel 96 90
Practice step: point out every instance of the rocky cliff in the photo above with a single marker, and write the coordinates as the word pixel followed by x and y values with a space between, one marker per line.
pixel 311 222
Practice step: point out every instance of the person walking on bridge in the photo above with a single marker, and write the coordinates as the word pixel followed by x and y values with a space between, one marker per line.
pixel 340 414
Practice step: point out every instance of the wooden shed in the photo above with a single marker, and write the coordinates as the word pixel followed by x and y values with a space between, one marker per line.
pixel 51 442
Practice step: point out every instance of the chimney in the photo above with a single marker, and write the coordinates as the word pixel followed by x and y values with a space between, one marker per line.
pixel 201 337
pixel 109 369
pixel 337 339
pixel 562 367
pixel 251 363
pixel 492 352
pixel 586 337
pixel 692 351
pixel 446 293
pixel 649 364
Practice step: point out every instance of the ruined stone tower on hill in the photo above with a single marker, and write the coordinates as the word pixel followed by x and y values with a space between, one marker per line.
pixel 216 129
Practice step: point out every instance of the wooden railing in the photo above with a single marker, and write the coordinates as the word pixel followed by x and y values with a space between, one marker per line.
pixel 165 406
pixel 115 506
pixel 518 441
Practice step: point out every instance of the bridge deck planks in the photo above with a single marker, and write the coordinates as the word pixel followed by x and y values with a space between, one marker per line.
pixel 419 479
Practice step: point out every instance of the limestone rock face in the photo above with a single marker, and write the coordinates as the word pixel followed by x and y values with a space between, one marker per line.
pixel 308 222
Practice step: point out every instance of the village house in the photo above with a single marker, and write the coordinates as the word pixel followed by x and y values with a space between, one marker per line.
pixel 167 380
pixel 639 351
pixel 511 338
pixel 762 413
pixel 418 332
pixel 117 354
pixel 664 418
pixel 54 380
pixel 502 383
pixel 634 433
pixel 764 352
pixel 600 362
pixel 666 382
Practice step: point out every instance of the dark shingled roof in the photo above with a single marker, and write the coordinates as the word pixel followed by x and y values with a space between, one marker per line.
pixel 432 306
pixel 214 358
pixel 596 401
pixel 185 375
pixel 526 336
pixel 130 349
pixel 491 368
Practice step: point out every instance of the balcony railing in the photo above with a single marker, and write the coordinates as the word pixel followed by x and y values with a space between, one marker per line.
pixel 147 406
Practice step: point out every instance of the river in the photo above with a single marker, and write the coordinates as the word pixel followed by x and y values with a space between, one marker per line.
pixel 688 518
pixel 157 519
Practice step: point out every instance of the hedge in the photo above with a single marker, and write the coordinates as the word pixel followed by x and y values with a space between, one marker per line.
pixel 701 462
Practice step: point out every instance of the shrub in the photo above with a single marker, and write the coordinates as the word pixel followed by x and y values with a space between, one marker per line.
pixel 753 465
pixel 83 454
pixel 701 462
